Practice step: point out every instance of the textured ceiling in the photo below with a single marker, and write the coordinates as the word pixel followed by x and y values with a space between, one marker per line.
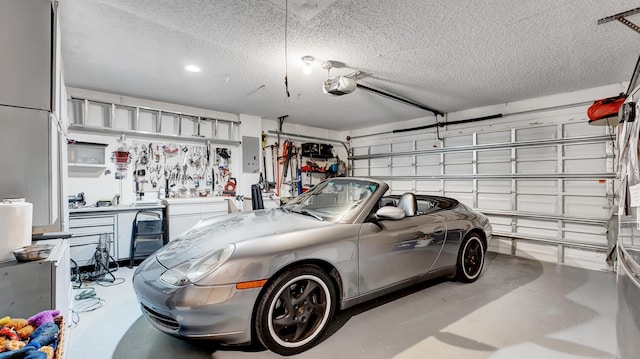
pixel 447 55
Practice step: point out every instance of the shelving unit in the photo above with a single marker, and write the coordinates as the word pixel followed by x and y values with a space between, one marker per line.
pixel 110 118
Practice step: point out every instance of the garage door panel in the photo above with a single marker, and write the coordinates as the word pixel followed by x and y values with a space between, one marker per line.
pixel 591 150
pixel 402 161
pixel 428 159
pixel 458 186
pixel 493 137
pixel 361 172
pixel 457 141
pixel 428 170
pixel 500 221
pixel 494 186
pixel 424 186
pixel 586 258
pixel 494 168
pixel 500 202
pixel 578 129
pixel 402 147
pixel 585 232
pixel 381 171
pixel 379 162
pixel 537 232
pixel 495 156
pixel 588 207
pixel 584 166
pixel 536 133
pixel 400 187
pixel 536 187
pixel 360 151
pixel 537 203
pixel 458 169
pixel 537 167
pixel 427 143
pixel 402 171
pixel 546 224
pixel 581 187
pixel 537 153
pixel 458 157
pixel 378 149
pixel 587 238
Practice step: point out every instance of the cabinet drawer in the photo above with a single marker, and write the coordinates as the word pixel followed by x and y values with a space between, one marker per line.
pixel 83 231
pixel 91 221
pixel 198 208
pixel 82 240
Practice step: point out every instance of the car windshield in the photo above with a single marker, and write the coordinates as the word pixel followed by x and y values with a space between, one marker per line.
pixel 332 199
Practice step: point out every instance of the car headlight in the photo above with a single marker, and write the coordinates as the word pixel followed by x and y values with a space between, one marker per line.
pixel 194 270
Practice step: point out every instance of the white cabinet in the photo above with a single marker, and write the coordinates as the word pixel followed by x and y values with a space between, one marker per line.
pixel 31 287
pixel 86 159
pixel 26 61
pixel 86 230
pixel 183 214
pixel 123 236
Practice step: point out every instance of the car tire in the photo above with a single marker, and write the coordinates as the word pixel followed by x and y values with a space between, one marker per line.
pixel 470 258
pixel 295 310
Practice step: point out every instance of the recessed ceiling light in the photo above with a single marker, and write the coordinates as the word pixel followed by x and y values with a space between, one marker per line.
pixel 192 68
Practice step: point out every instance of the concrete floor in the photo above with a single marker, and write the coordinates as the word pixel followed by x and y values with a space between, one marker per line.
pixel 519 308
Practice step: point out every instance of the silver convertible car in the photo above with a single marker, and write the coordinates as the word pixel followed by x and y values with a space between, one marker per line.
pixel 279 275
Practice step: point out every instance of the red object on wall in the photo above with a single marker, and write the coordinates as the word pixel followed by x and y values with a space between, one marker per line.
pixel 604 111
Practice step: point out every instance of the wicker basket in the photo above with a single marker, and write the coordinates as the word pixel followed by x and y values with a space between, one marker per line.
pixel 59 353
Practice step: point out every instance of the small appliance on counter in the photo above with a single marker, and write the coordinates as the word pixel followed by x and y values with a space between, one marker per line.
pixel 104 203
pixel 77 201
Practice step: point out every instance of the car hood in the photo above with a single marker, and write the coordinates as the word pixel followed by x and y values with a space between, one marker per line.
pixel 211 234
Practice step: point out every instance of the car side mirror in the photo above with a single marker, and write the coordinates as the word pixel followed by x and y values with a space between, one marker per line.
pixel 390 212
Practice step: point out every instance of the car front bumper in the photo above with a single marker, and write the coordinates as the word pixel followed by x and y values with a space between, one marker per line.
pixel 221 313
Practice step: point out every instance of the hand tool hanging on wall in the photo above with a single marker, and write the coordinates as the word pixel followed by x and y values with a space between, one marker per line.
pixel 273 166
pixel 286 157
pixel 264 183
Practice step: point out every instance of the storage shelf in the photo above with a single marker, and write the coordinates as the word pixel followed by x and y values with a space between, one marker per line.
pixel 85 169
pixel 95 129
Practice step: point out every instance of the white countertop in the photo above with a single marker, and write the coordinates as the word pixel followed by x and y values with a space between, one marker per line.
pixel 121 208
pixel 194 200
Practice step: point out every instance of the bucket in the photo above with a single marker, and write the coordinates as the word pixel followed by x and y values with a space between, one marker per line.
pixel 15 226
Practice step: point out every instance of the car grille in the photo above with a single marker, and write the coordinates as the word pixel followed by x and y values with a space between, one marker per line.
pixel 164 320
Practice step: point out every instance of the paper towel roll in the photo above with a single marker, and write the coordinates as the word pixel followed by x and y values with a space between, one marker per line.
pixel 15 226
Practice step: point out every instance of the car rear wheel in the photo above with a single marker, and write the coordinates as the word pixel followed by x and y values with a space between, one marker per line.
pixel 470 258
pixel 295 310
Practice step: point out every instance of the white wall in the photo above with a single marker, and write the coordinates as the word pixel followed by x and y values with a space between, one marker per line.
pixel 103 185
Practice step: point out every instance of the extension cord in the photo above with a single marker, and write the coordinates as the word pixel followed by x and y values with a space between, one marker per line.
pixel 85 294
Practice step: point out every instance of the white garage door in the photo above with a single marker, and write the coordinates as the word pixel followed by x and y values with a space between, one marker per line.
pixel 550 186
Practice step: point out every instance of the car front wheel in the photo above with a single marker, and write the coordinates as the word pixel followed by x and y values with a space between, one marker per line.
pixel 470 258
pixel 295 310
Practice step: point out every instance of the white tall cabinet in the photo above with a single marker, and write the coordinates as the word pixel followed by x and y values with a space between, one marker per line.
pixel 29 139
